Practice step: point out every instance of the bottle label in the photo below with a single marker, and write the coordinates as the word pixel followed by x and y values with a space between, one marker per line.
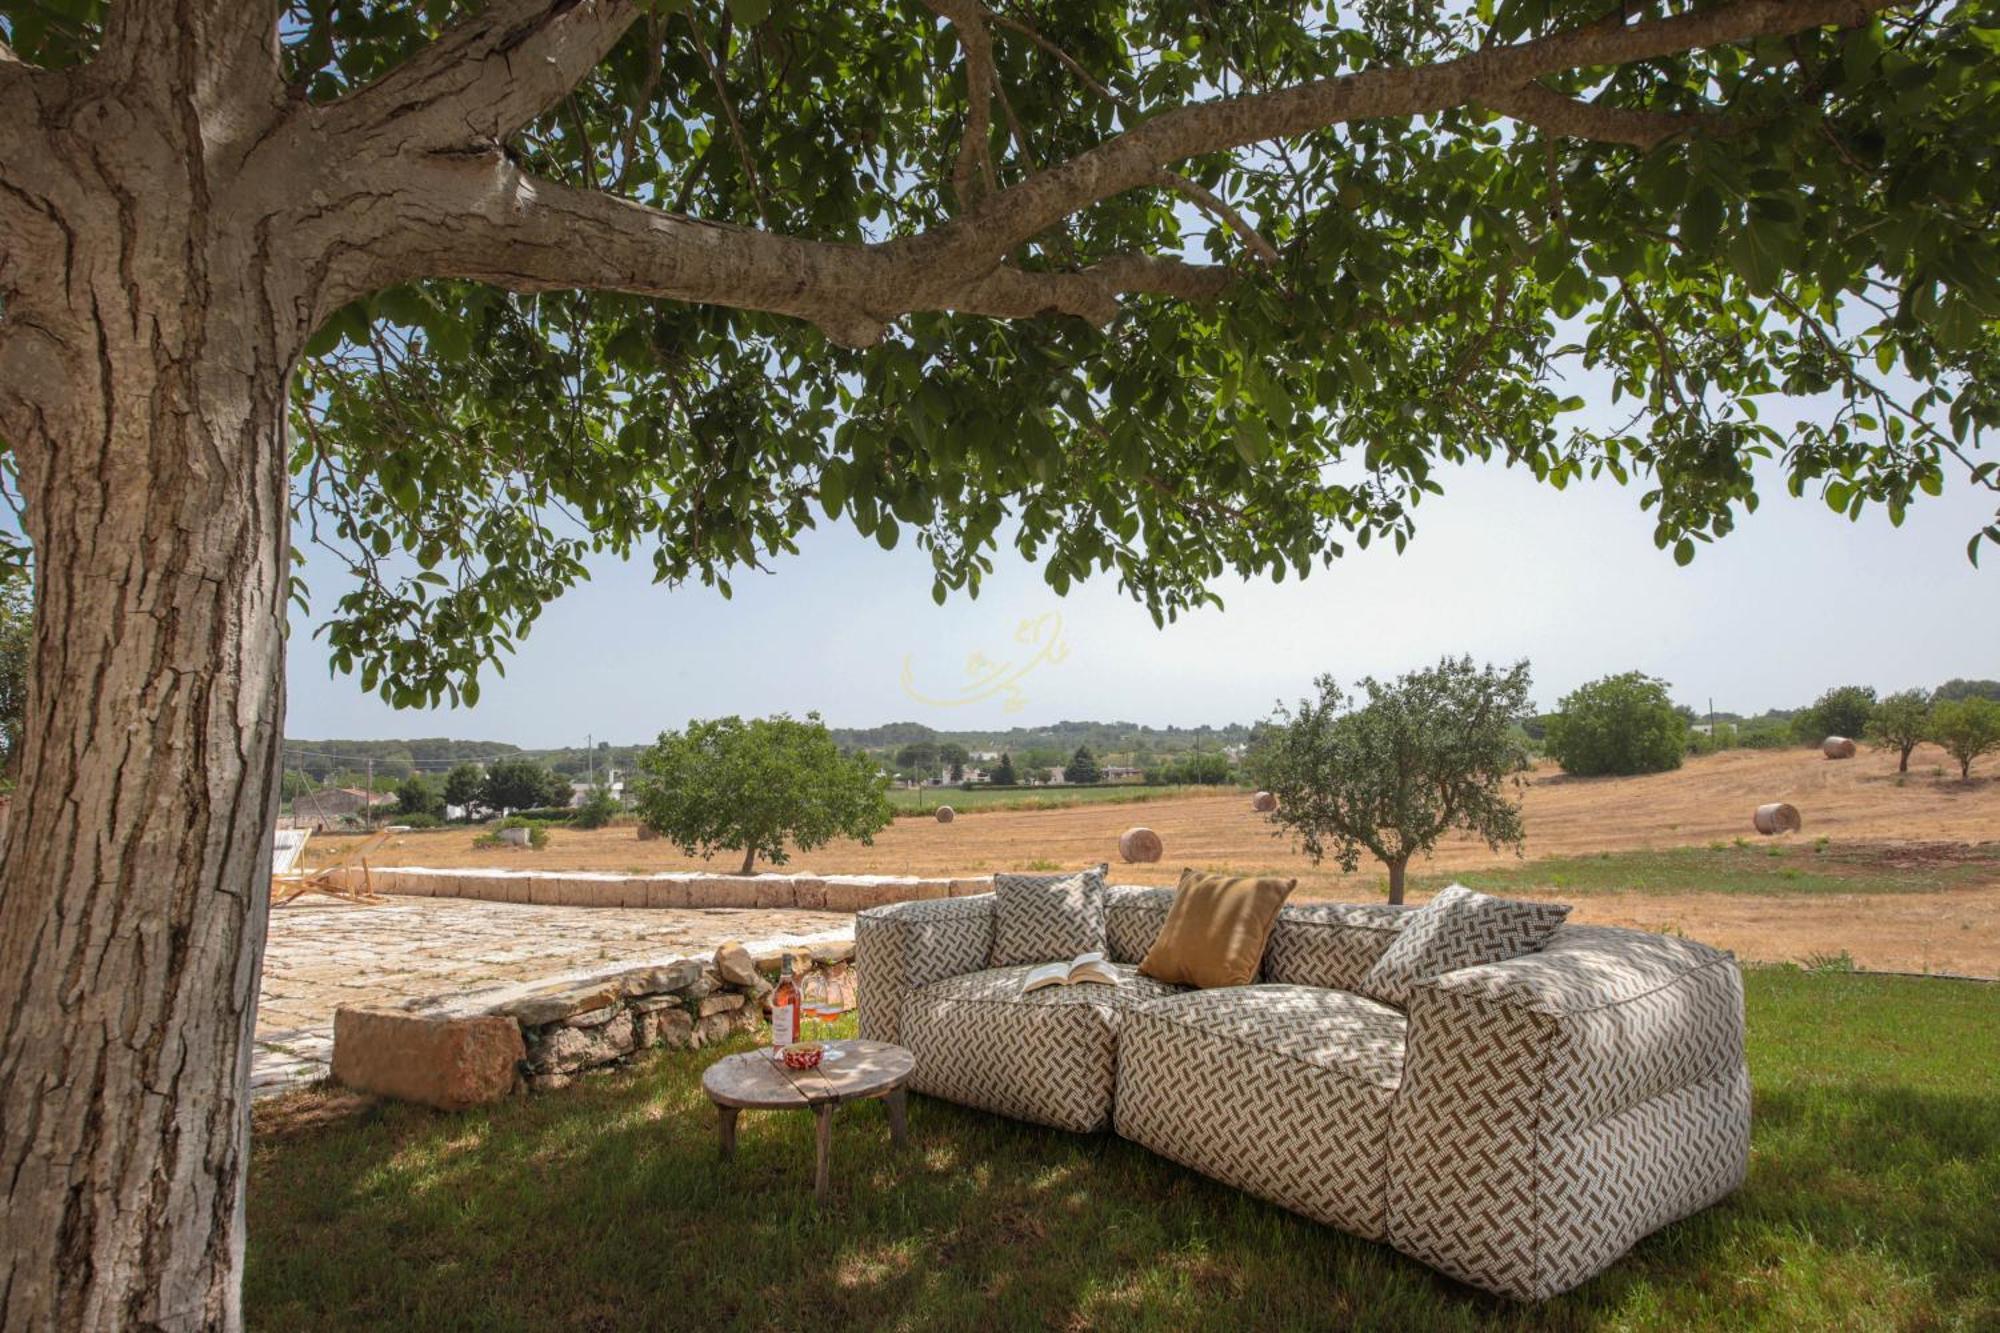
pixel 784 1024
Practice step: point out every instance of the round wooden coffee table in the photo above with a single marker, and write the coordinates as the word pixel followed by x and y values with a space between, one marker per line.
pixel 862 1071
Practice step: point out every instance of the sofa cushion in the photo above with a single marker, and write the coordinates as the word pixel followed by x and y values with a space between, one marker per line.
pixel 1458 928
pixel 1049 1056
pixel 1330 944
pixel 1132 919
pixel 1215 933
pixel 1284 1091
pixel 1043 918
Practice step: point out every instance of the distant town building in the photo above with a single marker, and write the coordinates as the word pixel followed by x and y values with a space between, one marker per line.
pixel 333 806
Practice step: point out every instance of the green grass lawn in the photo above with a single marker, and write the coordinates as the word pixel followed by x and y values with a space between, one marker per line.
pixel 1871 1205
pixel 1741 867
pixel 923 801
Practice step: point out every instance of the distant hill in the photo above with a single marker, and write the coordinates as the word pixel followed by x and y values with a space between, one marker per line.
pixel 1111 741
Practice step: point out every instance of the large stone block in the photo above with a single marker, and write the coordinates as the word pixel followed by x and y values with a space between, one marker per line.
pixel 545 891
pixel 809 893
pixel 775 891
pixel 666 891
pixel 449 1063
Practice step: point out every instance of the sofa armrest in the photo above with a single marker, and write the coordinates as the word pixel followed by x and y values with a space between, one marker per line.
pixel 1612 1017
pixel 1558 1106
pixel 902 946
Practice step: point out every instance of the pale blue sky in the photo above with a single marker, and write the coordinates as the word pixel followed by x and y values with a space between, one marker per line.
pixel 1797 599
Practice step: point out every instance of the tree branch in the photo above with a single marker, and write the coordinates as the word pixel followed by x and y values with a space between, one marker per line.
pixel 474 215
pixel 223 50
pixel 1571 118
pixel 1222 211
pixel 491 222
pixel 1018 213
pixel 488 76
pixel 972 176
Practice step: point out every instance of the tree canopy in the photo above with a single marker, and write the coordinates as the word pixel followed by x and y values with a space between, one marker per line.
pixel 759 787
pixel 1265 273
pixel 1622 724
pixel 1901 722
pixel 1844 710
pixel 1432 751
pixel 1967 729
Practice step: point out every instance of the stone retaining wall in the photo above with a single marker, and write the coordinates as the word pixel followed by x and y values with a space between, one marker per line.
pixel 576 888
pixel 453 1053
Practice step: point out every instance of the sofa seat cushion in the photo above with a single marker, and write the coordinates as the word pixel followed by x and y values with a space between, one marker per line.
pixel 1283 1091
pixel 1049 1056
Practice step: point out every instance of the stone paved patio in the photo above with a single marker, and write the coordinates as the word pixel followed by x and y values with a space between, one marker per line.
pixel 324 953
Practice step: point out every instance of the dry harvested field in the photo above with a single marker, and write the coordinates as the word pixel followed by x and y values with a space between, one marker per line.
pixel 1890 870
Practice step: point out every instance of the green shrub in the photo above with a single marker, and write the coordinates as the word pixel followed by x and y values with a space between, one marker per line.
pixel 419 821
pixel 1843 710
pixel 1621 725
pixel 538 833
pixel 599 808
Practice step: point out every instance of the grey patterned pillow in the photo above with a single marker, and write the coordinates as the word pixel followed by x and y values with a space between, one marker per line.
pixel 1458 928
pixel 1042 918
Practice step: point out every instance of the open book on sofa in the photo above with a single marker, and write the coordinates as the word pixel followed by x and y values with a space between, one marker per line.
pixel 1084 967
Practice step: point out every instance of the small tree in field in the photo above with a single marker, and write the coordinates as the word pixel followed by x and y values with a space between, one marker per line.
pixel 1967 729
pixel 522 784
pixel 731 785
pixel 1843 710
pixel 464 786
pixel 1433 751
pixel 1900 723
pixel 1083 767
pixel 1623 724
pixel 1003 774
pixel 419 795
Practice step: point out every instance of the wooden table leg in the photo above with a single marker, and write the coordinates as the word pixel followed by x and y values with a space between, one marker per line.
pixel 899 1128
pixel 726 1124
pixel 825 1149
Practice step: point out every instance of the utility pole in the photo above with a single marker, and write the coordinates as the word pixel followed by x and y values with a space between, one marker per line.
pixel 368 810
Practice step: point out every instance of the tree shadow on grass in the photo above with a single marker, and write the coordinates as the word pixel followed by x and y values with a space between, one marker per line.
pixel 606 1206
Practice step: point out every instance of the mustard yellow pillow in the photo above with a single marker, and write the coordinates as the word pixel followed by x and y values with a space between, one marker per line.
pixel 1215 931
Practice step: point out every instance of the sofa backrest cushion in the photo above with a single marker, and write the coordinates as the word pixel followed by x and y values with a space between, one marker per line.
pixel 1133 916
pixel 1330 944
pixel 1047 918
pixel 1459 928
pixel 1312 944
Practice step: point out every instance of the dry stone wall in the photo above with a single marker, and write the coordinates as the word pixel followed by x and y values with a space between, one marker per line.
pixel 452 1054
pixel 676 889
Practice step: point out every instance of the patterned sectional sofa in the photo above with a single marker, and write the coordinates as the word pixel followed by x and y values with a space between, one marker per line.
pixel 1519 1127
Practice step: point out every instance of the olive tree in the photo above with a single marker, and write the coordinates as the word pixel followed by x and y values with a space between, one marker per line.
pixel 1434 751
pixel 1901 722
pixel 1967 729
pixel 469 292
pixel 760 788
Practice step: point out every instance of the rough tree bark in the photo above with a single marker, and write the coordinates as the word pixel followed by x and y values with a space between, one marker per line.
pixel 172 227
pixel 144 377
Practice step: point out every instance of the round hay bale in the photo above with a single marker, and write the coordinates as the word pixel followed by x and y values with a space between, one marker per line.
pixel 1140 844
pixel 1837 747
pixel 647 833
pixel 945 814
pixel 1264 802
pixel 1777 817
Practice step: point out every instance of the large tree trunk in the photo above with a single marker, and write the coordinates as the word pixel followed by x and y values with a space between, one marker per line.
pixel 137 868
